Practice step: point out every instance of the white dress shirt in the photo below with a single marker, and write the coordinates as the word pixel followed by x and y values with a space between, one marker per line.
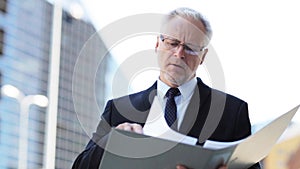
pixel 182 101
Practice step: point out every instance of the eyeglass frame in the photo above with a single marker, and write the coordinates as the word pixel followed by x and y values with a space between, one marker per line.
pixel 187 50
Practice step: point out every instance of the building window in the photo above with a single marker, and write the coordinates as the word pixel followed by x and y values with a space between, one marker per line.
pixel 1 41
pixel 3 4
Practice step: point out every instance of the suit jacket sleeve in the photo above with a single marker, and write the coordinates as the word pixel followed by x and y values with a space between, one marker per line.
pixel 111 117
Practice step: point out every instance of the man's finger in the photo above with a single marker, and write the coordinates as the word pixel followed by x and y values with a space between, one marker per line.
pixel 137 128
pixel 180 167
pixel 127 128
pixel 131 127
pixel 223 167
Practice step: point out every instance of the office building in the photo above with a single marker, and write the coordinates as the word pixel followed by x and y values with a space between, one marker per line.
pixel 25 50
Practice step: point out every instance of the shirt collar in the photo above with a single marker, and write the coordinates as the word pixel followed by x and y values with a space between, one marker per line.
pixel 186 89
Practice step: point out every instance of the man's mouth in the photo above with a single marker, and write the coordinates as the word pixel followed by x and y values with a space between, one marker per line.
pixel 176 65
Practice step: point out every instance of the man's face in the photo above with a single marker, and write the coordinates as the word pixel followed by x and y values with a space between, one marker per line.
pixel 179 50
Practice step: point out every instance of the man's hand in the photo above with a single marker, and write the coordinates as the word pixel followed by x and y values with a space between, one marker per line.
pixel 294 161
pixel 131 127
pixel 183 167
pixel 223 167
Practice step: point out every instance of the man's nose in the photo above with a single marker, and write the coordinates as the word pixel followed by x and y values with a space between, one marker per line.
pixel 179 51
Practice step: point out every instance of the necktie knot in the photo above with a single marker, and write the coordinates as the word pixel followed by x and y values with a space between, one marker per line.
pixel 172 92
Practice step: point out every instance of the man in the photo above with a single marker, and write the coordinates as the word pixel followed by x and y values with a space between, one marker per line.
pixel 191 107
pixel 294 160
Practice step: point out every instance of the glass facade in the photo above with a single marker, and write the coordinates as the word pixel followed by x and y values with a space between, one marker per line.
pixel 74 118
pixel 24 63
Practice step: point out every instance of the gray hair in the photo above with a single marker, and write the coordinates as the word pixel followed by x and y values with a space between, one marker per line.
pixel 191 13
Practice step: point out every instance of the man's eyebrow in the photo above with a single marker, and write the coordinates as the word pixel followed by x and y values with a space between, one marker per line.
pixel 187 44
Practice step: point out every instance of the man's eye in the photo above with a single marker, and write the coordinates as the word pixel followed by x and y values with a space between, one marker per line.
pixel 173 43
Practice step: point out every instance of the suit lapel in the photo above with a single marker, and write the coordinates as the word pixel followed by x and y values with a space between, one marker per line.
pixel 203 113
pixel 144 101
pixel 196 112
pixel 148 96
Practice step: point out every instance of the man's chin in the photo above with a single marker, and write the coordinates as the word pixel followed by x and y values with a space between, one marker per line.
pixel 176 81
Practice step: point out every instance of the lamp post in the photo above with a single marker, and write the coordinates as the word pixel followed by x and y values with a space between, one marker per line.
pixel 25 102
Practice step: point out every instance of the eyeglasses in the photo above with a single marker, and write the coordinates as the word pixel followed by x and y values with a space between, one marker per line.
pixel 190 49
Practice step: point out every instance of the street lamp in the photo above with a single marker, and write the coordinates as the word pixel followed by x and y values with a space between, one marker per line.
pixel 25 102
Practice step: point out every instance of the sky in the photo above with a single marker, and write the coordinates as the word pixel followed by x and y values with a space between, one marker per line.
pixel 256 42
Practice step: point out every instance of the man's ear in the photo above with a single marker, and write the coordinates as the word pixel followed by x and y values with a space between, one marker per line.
pixel 203 56
pixel 157 43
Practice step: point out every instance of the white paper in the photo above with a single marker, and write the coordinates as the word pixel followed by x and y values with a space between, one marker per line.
pixel 257 146
pixel 156 126
pixel 214 145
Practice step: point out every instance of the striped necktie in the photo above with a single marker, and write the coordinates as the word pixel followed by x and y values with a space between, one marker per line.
pixel 171 108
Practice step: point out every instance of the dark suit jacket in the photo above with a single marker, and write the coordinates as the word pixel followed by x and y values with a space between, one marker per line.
pixel 211 114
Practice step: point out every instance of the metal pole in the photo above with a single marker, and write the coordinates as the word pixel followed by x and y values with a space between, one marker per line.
pixel 51 119
pixel 25 102
pixel 23 131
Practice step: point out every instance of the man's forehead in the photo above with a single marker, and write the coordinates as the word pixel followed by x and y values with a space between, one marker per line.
pixel 183 29
pixel 183 24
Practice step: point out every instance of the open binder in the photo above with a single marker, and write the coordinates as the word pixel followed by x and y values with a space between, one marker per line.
pixel 128 150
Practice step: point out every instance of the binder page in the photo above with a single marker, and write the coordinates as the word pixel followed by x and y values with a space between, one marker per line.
pixel 257 146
